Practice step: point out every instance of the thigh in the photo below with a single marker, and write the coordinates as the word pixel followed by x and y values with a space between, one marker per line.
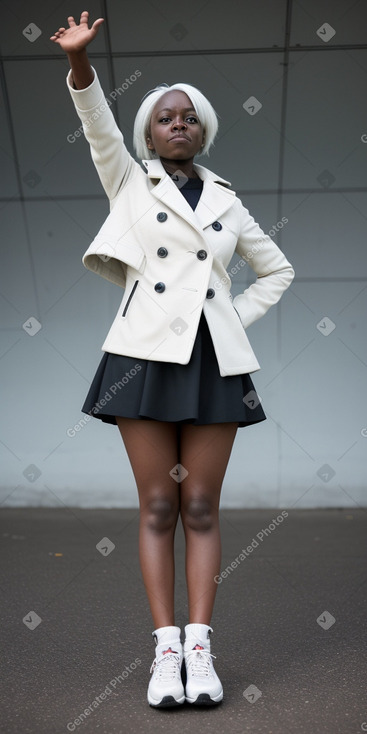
pixel 152 448
pixel 204 453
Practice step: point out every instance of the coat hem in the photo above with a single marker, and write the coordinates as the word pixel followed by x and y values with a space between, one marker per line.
pixel 224 372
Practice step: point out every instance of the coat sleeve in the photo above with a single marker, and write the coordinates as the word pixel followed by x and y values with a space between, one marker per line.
pixel 274 272
pixel 114 164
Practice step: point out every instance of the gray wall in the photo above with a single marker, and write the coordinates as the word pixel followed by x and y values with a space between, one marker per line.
pixel 302 156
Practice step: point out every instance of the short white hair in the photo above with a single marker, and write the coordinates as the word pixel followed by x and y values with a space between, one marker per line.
pixel 202 107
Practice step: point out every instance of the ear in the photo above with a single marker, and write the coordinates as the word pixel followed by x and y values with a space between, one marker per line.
pixel 150 145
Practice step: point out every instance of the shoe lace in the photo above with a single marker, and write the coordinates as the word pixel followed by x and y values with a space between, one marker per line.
pixel 199 662
pixel 166 667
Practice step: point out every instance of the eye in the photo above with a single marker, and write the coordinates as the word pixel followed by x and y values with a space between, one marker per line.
pixel 191 119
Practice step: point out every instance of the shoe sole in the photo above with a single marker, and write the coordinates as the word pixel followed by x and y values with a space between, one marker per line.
pixel 204 699
pixel 167 702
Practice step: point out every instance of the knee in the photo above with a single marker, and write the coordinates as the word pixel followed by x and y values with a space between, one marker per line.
pixel 160 514
pixel 199 514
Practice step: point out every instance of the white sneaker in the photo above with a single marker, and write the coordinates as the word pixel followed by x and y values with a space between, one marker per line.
pixel 203 686
pixel 165 687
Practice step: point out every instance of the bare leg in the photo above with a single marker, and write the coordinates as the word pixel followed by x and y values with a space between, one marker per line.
pixel 204 453
pixel 152 448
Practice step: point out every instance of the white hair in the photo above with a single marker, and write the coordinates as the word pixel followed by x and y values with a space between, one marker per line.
pixel 203 109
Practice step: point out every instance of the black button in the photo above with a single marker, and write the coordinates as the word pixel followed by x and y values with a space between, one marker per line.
pixel 210 293
pixel 217 226
pixel 162 216
pixel 159 287
pixel 162 252
pixel 201 254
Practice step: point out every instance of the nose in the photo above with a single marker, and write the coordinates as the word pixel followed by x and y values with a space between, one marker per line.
pixel 179 125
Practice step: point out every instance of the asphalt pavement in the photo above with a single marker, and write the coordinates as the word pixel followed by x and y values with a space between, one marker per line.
pixel 289 624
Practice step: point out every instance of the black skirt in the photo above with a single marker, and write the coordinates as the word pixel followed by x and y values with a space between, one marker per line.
pixel 165 391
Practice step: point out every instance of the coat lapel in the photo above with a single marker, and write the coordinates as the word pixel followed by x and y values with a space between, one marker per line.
pixel 215 199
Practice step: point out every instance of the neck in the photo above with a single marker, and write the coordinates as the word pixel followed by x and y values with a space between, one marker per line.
pixel 187 167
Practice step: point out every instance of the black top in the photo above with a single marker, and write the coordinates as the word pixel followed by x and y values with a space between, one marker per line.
pixel 191 190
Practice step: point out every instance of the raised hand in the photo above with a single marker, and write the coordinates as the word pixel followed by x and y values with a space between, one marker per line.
pixel 76 37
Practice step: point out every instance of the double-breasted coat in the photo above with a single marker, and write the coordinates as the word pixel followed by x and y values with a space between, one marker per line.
pixel 170 260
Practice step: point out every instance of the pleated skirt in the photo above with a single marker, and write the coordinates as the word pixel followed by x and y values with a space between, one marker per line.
pixel 165 391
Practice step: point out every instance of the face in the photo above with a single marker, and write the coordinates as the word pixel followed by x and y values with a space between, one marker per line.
pixel 175 131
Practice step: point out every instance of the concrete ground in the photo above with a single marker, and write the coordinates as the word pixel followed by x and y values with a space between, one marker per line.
pixel 289 624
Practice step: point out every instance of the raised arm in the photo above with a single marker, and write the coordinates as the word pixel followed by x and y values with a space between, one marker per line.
pixel 114 164
pixel 74 41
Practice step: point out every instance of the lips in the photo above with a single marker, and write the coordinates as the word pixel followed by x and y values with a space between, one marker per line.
pixel 180 137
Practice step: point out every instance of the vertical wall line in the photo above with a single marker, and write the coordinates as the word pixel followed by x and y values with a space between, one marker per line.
pixel 283 124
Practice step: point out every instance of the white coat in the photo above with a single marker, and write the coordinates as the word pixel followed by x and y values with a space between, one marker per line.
pixel 171 260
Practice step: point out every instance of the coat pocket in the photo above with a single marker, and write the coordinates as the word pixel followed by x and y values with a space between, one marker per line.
pixel 127 304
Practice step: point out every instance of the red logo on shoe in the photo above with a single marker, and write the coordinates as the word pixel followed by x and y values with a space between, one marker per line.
pixel 198 647
pixel 169 650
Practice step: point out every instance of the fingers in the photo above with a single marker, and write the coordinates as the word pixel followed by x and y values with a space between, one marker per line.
pixel 84 16
pixel 58 33
pixel 97 22
pixel 71 22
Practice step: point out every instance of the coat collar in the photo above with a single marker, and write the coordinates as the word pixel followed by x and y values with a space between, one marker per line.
pixel 215 199
pixel 155 170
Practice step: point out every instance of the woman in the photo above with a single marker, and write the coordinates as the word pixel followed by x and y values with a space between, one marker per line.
pixel 174 376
